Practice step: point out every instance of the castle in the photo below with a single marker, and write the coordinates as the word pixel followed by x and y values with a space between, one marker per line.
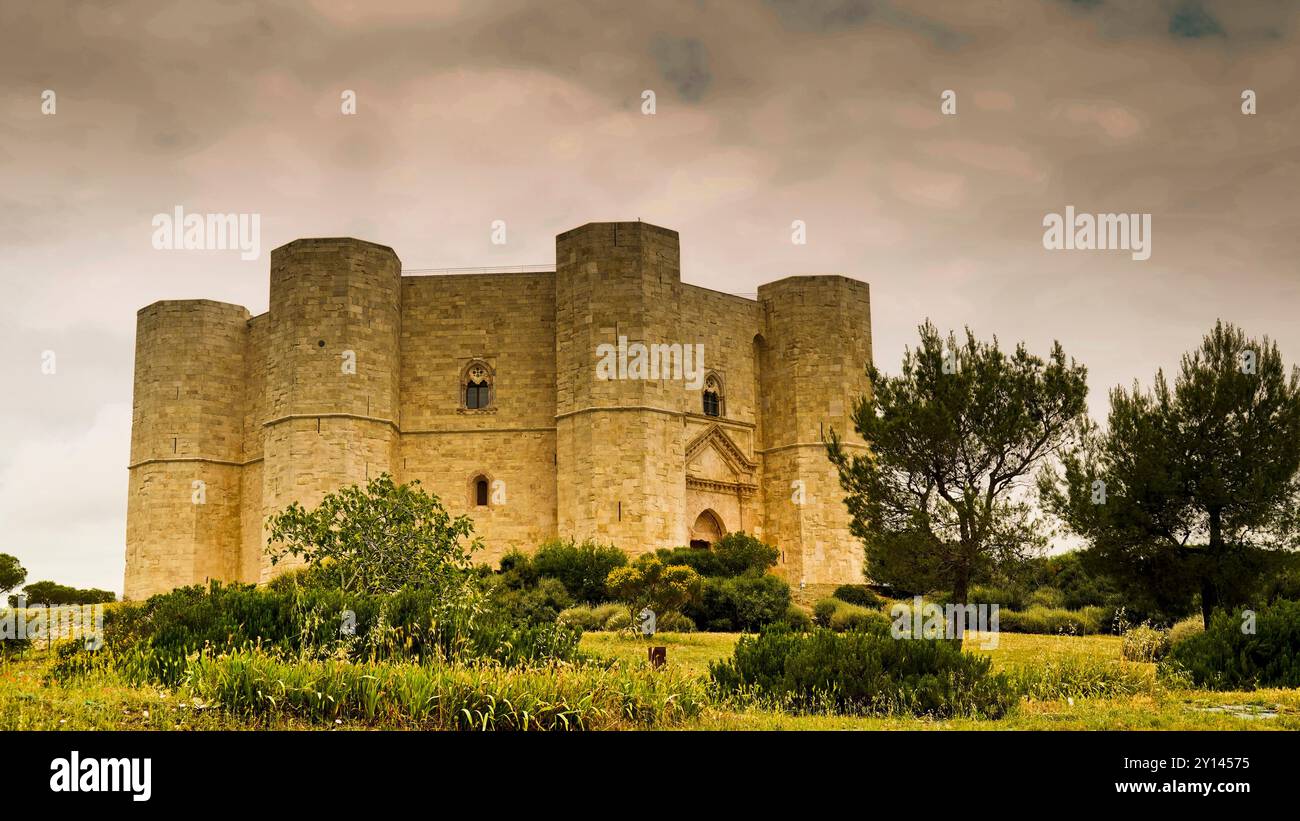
pixel 488 389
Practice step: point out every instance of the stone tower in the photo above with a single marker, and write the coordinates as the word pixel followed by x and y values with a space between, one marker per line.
pixel 183 503
pixel 619 459
pixel 332 370
pixel 813 354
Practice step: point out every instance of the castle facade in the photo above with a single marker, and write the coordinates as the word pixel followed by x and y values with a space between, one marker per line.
pixel 605 399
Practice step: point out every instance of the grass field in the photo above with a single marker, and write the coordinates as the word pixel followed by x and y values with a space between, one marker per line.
pixel 1157 709
pixel 30 701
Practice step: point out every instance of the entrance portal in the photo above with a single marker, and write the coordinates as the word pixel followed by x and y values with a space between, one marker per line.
pixel 707 530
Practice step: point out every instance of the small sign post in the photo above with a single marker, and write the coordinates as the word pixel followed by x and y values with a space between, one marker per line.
pixel 646 624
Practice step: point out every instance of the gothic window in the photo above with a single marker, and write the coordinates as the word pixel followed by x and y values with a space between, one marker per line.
pixel 481 491
pixel 477 386
pixel 712 396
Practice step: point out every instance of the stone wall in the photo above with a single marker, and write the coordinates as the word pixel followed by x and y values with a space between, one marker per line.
pixel 507 323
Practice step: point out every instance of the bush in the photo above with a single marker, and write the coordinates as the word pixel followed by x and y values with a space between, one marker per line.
pixel 746 602
pixel 756 600
pixel 1046 597
pixel 591 618
pixel 839 615
pixel 1088 621
pixel 673 622
pixel 1225 658
pixel 517 571
pixel 535 605
pixel 862 673
pixel 581 568
pixel 1185 629
pixel 1005 597
pixel 735 554
pixel 852 617
pixel 740 553
pixel 824 611
pixel 622 620
pixel 155 638
pixel 797 619
pixel 858 594
pixel 703 562
pixel 1145 643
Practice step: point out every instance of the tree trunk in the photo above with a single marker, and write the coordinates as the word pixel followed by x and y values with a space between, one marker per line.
pixel 961 584
pixel 1209 599
pixel 1210 568
pixel 960 593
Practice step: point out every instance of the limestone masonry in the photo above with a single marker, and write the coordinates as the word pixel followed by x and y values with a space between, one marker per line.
pixel 486 388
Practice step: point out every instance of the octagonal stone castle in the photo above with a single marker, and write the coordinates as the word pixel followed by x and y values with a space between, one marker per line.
pixel 488 389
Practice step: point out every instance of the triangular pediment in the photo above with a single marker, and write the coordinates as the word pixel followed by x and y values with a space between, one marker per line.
pixel 713 455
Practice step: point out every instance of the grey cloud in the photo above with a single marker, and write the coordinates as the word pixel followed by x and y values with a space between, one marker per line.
pixel 1191 19
pixel 835 15
pixel 683 62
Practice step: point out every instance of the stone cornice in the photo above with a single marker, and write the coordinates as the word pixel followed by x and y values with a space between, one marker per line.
pixel 716 486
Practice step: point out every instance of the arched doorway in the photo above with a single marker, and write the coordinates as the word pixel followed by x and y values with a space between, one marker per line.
pixel 707 530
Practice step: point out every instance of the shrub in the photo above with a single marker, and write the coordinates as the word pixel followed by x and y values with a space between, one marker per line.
pixel 154 638
pixel 650 583
pixel 1145 643
pixel 1087 621
pixel 379 539
pixel 534 605
pixel 583 568
pixel 1185 629
pixel 797 619
pixel 858 594
pixel 1005 597
pixel 586 617
pixel 745 602
pixel 861 673
pixel 824 611
pixel 478 697
pixel 839 615
pixel 852 617
pixel 1046 597
pixel 517 570
pixel 622 620
pixel 1079 677
pixel 704 562
pixel 674 622
pixel 1224 657
pixel 740 553
pixel 756 600
pixel 735 554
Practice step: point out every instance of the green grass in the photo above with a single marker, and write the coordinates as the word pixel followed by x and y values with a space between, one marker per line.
pixel 1155 708
pixel 30 701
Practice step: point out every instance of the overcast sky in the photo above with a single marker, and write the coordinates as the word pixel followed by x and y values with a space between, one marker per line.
pixel 826 111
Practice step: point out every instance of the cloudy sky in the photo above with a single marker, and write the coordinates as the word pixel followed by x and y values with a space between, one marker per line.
pixel 826 111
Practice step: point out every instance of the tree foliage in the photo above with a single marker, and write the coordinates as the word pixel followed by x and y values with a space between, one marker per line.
pixel 51 593
pixel 1189 488
pixel 648 582
pixel 12 573
pixel 941 495
pixel 582 567
pixel 381 538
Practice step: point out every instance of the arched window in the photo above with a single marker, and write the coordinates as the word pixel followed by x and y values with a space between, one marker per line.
pixel 712 396
pixel 477 387
pixel 481 491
